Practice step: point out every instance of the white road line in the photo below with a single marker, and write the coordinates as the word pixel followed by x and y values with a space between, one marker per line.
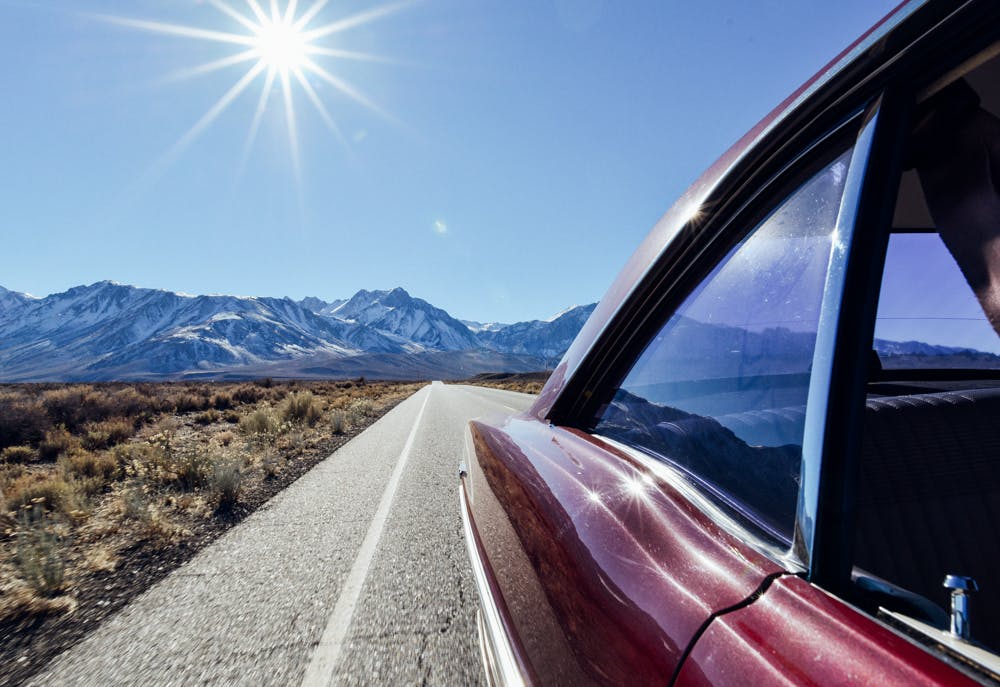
pixel 320 671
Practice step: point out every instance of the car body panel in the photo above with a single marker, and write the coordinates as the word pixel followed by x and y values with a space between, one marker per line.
pixel 613 569
pixel 797 634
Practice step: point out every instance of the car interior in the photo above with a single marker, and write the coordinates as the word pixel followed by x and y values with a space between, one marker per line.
pixel 928 501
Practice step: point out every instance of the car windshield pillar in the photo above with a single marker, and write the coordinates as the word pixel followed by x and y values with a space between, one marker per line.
pixel 818 404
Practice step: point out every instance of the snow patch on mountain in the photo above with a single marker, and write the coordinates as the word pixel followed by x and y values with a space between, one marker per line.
pixel 398 313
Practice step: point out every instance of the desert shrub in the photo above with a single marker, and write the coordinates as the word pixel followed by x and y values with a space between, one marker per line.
pixel 271 463
pixel 186 403
pixel 359 410
pixel 75 406
pixel 192 469
pixel 56 442
pixel 246 393
pixel 135 503
pixel 22 422
pixel 232 417
pixel 18 455
pixel 266 382
pixel 82 463
pixel 38 553
pixel 338 421
pixel 294 439
pixel 96 406
pixel 225 438
pixel 225 482
pixel 64 405
pixel 8 473
pixel 222 401
pixel 260 422
pixel 148 462
pixel 49 491
pixel 158 462
pixel 301 407
pixel 364 406
pixel 100 435
pixel 132 403
pixel 209 417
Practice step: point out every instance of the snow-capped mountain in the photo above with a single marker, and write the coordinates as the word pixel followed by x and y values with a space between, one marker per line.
pixel 412 319
pixel 319 306
pixel 477 327
pixel 12 301
pixel 108 331
pixel 112 331
pixel 545 339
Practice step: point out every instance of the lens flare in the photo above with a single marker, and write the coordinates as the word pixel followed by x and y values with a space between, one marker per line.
pixel 281 47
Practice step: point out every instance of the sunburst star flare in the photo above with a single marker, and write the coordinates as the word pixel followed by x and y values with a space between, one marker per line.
pixel 281 45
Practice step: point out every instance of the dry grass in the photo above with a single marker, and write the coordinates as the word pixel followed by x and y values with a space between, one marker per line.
pixel 91 470
pixel 18 454
pixel 56 442
pixel 38 551
pixel 338 421
pixel 225 482
pixel 49 490
pixel 301 408
pixel 523 382
pixel 261 424
pixel 107 433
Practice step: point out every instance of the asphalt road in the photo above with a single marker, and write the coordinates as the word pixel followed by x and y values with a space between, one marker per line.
pixel 356 574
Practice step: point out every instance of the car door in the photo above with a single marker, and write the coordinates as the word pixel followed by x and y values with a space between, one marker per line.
pixel 614 538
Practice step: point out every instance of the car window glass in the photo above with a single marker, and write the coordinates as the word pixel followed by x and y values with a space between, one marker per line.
pixel 720 391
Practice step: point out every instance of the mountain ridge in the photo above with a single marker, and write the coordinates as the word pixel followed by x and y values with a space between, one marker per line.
pixel 112 331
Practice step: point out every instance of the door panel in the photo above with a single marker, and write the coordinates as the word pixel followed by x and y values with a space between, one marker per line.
pixel 607 570
pixel 797 634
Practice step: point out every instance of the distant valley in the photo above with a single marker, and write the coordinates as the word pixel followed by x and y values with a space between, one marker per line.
pixel 109 331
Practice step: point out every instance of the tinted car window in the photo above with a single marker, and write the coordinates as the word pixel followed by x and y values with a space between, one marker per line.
pixel 720 392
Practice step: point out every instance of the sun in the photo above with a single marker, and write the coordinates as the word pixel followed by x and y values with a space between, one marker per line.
pixel 282 47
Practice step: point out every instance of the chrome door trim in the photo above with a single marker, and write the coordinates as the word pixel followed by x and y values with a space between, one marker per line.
pixel 500 658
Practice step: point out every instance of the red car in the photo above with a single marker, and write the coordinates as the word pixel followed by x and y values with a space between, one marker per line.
pixel 773 453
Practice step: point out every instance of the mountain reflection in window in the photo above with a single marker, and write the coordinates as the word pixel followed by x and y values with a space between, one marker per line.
pixel 720 392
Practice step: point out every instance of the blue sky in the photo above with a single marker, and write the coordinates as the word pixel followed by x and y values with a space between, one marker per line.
pixel 520 152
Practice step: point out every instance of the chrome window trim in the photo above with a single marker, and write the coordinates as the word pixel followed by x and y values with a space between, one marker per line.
pixel 821 375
